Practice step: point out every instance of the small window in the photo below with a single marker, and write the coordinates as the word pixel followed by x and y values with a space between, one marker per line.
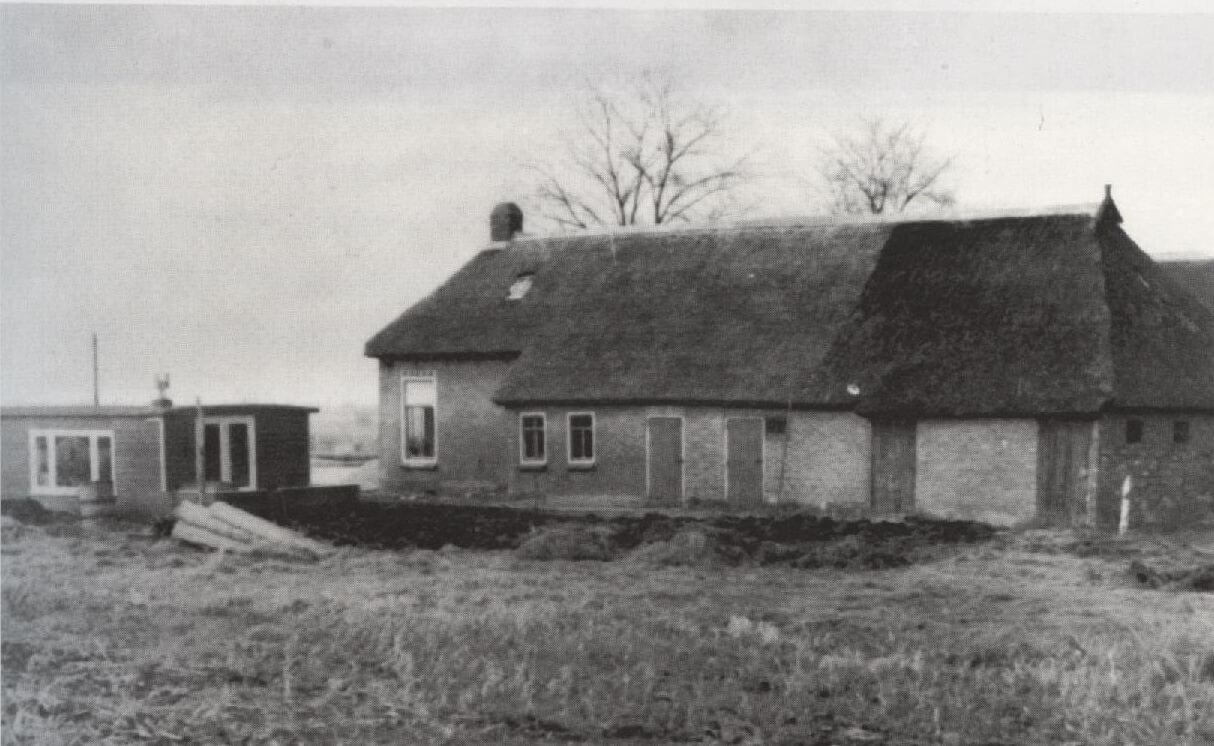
pixel 229 451
pixel 777 425
pixel 581 438
pixel 521 285
pixel 1180 431
pixel 417 425
pixel 64 460
pixel 532 438
pixel 1133 431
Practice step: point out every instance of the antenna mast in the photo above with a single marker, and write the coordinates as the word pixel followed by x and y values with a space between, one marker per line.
pixel 96 389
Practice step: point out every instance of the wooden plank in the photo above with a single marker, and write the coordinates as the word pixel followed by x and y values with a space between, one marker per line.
pixel 192 534
pixel 266 530
pixel 1066 470
pixel 201 517
pixel 665 459
pixel 893 466
pixel 744 460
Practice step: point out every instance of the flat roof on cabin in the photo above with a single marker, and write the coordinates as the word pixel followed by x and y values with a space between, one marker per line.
pixel 109 411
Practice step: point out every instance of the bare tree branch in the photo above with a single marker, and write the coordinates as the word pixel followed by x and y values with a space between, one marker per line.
pixel 649 154
pixel 883 168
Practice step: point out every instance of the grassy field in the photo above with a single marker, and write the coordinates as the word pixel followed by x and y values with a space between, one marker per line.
pixel 110 637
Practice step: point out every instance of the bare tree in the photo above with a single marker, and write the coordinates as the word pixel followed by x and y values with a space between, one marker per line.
pixel 646 155
pixel 883 168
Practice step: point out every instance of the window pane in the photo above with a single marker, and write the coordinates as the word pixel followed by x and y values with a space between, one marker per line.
pixel 238 453
pixel 533 438
pixel 1133 431
pixel 105 459
pixel 1180 431
pixel 420 393
pixel 42 458
pixel 72 464
pixel 211 458
pixel 419 432
pixel 581 437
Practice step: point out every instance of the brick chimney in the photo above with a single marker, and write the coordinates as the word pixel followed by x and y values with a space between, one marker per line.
pixel 504 222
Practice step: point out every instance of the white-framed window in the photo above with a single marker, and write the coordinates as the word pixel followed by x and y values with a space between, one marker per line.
pixel 230 451
pixel 581 437
pixel 63 460
pixel 533 438
pixel 418 434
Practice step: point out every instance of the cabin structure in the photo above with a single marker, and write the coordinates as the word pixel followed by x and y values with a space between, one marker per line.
pixel 1009 368
pixel 142 455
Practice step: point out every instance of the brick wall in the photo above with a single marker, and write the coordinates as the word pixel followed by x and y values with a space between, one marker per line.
pixel 472 433
pixel 1172 483
pixel 983 470
pixel 619 454
pixel 136 457
pixel 827 455
pixel 828 461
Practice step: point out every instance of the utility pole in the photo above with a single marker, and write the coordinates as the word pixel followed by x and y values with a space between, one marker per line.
pixel 199 450
pixel 96 377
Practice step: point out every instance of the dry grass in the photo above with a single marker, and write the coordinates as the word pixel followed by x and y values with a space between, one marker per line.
pixel 110 639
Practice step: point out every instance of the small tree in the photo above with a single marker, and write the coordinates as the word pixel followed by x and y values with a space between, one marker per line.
pixel 883 168
pixel 646 155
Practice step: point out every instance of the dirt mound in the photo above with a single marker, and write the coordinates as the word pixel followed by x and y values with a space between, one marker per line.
pixel 31 512
pixel 798 539
pixel 569 541
pixel 1199 578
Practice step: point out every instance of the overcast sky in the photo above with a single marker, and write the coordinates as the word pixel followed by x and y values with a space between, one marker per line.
pixel 242 196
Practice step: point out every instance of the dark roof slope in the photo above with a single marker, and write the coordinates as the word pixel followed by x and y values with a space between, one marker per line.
pixel 1162 337
pixel 969 318
pixel 1045 313
pixel 731 315
pixel 469 314
pixel 1196 275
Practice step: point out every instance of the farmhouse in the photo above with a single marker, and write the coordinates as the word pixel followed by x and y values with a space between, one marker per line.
pixel 141 455
pixel 1004 368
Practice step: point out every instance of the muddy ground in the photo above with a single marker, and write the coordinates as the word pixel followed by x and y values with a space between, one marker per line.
pixel 798 539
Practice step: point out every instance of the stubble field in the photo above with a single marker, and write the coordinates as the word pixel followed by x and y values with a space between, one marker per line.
pixel 1033 638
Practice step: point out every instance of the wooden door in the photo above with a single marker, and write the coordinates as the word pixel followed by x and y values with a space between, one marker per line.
pixel 664 460
pixel 1062 469
pixel 893 466
pixel 744 460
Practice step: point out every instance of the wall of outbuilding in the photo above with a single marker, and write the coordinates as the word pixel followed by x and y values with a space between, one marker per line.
pixel 1171 484
pixel 136 457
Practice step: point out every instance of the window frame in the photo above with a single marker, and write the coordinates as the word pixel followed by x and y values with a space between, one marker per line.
pixel 522 440
pixel 405 458
pixel 1139 425
pixel 52 467
pixel 1182 432
pixel 594 450
pixel 520 287
pixel 223 422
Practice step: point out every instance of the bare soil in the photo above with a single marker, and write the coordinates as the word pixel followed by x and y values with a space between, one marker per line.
pixel 798 539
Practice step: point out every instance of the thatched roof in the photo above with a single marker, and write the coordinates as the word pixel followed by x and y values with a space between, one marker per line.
pixel 1195 275
pixel 470 316
pixel 984 317
pixel 1009 315
pixel 1162 336
pixel 704 316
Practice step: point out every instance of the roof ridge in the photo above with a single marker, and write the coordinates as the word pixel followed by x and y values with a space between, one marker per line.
pixel 1084 209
